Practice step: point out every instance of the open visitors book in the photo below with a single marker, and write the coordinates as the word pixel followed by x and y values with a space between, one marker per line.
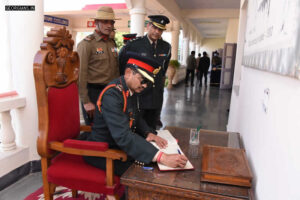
pixel 172 148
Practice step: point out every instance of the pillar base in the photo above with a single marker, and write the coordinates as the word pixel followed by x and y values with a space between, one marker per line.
pixel 8 147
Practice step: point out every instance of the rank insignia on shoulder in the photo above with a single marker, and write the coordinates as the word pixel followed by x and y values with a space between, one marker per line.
pixel 89 38
pixel 99 51
pixel 156 70
pixel 119 87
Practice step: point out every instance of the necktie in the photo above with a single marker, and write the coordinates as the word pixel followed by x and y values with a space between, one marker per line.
pixel 153 47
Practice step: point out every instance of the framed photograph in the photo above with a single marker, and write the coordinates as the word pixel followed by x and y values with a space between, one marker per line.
pixel 273 36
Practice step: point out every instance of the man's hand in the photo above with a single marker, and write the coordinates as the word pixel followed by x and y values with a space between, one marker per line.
pixel 161 143
pixel 89 108
pixel 173 160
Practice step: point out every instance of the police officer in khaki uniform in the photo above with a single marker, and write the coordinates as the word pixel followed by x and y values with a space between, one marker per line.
pixel 98 61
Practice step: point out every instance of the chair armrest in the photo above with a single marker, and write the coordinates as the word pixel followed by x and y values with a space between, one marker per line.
pixel 85 128
pixel 109 153
pixel 88 145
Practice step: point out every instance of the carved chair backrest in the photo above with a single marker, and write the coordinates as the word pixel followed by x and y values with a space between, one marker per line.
pixel 56 68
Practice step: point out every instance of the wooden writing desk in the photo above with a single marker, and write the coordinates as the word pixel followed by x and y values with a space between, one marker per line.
pixel 175 185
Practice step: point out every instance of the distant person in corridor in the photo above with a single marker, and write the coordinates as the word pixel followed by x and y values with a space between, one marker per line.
pixel 190 68
pixel 203 68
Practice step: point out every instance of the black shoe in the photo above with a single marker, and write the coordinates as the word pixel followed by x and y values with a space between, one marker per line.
pixel 192 85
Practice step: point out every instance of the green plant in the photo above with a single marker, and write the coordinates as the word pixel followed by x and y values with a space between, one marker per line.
pixel 174 63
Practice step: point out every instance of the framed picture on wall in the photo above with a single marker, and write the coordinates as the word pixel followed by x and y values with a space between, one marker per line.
pixel 272 36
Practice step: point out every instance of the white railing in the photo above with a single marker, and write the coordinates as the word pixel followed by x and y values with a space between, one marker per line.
pixel 7 134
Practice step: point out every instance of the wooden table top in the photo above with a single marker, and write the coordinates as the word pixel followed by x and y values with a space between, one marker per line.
pixel 188 180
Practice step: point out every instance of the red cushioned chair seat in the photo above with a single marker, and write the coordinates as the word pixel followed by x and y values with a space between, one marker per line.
pixel 71 171
pixel 88 145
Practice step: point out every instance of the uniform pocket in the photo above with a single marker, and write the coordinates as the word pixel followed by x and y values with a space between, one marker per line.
pixel 102 56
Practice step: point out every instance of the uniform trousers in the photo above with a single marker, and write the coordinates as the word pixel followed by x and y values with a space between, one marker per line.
pixel 94 91
pixel 119 166
pixel 188 72
pixel 205 77
pixel 151 116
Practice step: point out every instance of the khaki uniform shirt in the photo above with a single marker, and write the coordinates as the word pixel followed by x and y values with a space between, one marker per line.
pixel 98 63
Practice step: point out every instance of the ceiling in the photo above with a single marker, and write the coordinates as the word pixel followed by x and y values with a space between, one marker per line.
pixel 209 26
pixel 209 17
pixel 210 4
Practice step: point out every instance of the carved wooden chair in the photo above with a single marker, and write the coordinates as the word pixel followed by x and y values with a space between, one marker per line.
pixel 56 68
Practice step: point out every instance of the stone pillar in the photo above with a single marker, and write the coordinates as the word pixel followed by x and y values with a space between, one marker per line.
pixel 74 35
pixel 192 41
pixel 26 34
pixel 198 49
pixel 185 50
pixel 185 43
pixel 7 133
pixel 175 40
pixel 198 45
pixel 192 46
pixel 5 69
pixel 137 17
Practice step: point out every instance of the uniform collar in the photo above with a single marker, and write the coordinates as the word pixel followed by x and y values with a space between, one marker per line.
pixel 123 83
pixel 151 40
pixel 99 36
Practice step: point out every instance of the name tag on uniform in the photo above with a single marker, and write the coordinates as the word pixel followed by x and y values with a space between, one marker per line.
pixel 143 54
pixel 163 54
pixel 99 51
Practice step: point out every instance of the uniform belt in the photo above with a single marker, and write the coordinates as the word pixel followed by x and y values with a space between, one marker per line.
pixel 96 86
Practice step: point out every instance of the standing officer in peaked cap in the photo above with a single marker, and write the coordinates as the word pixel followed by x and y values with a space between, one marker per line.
pixel 117 124
pixel 152 46
pixel 128 37
pixel 98 61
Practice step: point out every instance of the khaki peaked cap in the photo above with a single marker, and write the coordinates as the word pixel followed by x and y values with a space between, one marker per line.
pixel 105 13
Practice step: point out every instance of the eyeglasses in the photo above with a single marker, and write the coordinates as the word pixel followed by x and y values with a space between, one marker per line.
pixel 145 81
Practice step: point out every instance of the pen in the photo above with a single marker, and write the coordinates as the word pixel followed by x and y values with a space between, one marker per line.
pixel 178 151
pixel 148 168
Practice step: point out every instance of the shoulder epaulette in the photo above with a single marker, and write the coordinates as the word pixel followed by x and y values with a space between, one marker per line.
pixel 117 86
pixel 89 37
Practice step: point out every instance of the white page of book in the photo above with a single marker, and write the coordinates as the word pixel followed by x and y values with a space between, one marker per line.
pixel 172 148
pixel 167 136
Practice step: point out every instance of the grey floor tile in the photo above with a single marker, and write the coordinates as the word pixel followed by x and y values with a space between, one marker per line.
pixel 22 188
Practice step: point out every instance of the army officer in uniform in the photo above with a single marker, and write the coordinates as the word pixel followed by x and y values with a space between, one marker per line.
pixel 152 46
pixel 98 61
pixel 116 123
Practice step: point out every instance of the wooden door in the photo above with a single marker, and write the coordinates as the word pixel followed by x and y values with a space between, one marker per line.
pixel 228 62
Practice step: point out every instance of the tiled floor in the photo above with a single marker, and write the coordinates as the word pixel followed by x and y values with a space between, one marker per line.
pixel 194 106
pixel 183 106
